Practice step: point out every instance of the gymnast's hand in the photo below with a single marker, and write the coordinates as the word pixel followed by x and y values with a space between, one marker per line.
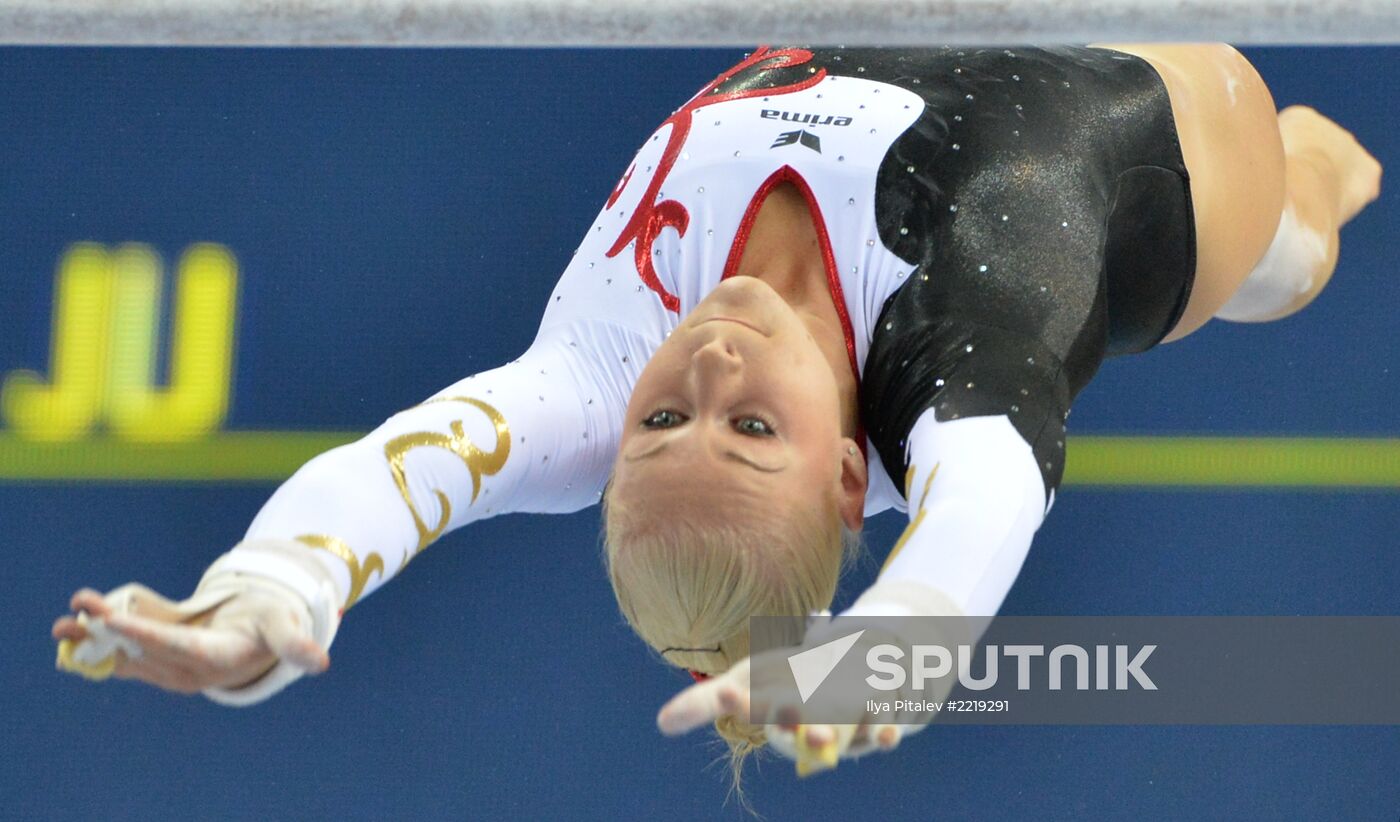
pixel 225 639
pixel 813 746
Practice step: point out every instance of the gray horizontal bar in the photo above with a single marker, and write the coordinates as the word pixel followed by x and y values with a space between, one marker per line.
pixel 691 22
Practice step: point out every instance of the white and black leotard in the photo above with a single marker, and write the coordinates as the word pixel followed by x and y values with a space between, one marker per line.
pixel 993 223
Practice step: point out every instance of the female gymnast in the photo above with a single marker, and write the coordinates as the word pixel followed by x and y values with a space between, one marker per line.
pixel 834 281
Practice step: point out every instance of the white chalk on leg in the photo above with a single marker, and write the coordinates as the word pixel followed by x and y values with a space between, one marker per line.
pixel 1287 273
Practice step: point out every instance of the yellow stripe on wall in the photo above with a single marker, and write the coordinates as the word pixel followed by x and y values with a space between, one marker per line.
pixel 1266 462
pixel 1161 462
pixel 230 456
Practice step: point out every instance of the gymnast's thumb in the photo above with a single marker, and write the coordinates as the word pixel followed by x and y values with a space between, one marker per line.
pixel 285 637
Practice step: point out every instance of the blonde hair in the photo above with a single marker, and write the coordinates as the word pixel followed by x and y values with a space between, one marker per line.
pixel 688 587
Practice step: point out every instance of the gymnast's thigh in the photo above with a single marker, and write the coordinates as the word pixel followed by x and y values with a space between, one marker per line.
pixel 1228 126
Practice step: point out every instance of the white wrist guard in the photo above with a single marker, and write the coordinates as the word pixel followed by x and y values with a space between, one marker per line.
pixel 284 569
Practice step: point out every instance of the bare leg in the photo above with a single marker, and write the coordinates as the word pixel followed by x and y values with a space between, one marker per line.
pixel 1270 190
pixel 1329 178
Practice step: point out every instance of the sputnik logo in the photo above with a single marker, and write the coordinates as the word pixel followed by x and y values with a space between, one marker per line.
pixel 811 667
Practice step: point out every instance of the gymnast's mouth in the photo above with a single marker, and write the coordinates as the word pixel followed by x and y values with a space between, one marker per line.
pixel 744 323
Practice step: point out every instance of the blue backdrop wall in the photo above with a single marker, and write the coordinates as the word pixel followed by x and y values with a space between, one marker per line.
pixel 398 218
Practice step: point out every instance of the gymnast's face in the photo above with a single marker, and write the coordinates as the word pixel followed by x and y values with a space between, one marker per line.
pixel 737 413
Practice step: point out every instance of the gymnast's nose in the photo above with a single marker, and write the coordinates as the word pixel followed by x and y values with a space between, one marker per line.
pixel 714 364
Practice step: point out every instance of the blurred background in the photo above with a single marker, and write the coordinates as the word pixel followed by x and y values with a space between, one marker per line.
pixel 216 263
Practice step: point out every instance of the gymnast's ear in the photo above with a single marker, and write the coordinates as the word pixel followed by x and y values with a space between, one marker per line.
pixel 854 479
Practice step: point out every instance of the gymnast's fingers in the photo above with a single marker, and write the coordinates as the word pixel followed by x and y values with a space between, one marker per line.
pixel 191 657
pixel 876 736
pixel 788 718
pixel 67 627
pixel 201 650
pixel 700 703
pixel 818 735
pixel 707 701
pixel 887 737
pixel 135 598
pixel 283 634
pixel 90 601
pixel 159 673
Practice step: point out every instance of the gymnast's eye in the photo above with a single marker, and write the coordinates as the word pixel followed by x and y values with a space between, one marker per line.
pixel 754 427
pixel 663 419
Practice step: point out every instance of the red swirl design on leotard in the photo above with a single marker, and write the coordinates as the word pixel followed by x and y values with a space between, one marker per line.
pixel 617 189
pixel 652 216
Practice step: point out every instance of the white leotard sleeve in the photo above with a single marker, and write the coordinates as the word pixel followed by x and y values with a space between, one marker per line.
pixel 976 498
pixel 535 435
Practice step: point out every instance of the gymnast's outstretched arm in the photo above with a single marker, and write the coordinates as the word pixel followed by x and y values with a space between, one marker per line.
pixel 976 497
pixel 534 435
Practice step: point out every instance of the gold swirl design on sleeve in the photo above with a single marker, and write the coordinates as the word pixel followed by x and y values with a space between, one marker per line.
pixel 359 574
pixel 918 517
pixel 479 463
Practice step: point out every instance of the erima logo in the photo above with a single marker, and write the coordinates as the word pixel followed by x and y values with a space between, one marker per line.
pixel 806 138
pixel 807 119
pixel 811 667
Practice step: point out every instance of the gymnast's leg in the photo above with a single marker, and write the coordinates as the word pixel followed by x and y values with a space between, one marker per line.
pixel 1269 190
pixel 1330 178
